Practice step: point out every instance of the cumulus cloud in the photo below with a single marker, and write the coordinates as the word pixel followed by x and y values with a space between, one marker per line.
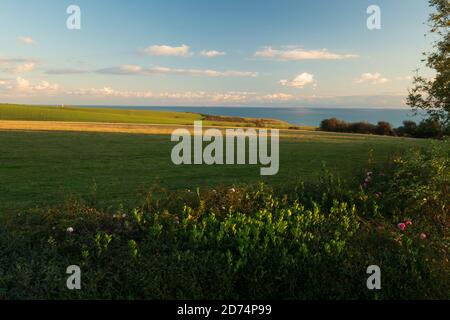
pixel 299 81
pixel 139 70
pixel 16 65
pixel 168 51
pixel 212 53
pixel 274 97
pixel 110 92
pixel 26 40
pixel 182 97
pixel 21 86
pixel 294 53
pixel 25 67
pixel 371 78
pixel 43 86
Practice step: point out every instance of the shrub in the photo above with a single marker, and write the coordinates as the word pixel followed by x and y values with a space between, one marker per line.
pixel 384 128
pixel 408 129
pixel 430 128
pixel 417 183
pixel 334 125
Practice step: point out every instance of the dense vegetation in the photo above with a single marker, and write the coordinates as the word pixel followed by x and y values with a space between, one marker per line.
pixel 432 94
pixel 427 128
pixel 306 240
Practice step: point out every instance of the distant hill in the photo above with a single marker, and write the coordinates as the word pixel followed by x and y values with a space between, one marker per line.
pixel 77 114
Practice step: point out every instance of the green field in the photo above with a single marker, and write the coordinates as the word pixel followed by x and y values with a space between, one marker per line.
pixel 44 168
pixel 74 114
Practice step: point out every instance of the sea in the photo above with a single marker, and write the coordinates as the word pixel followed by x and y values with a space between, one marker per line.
pixel 311 116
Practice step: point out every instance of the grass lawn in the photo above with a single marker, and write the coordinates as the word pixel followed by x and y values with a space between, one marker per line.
pixel 43 168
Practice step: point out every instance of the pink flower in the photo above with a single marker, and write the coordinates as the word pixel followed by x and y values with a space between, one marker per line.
pixel 401 226
pixel 423 236
pixel 408 222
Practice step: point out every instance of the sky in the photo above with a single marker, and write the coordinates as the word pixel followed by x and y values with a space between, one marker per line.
pixel 295 53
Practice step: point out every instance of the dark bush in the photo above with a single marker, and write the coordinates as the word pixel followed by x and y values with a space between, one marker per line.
pixel 334 125
pixel 384 128
pixel 409 129
pixel 428 128
pixel 361 127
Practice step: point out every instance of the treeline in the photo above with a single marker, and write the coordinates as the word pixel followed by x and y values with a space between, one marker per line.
pixel 428 128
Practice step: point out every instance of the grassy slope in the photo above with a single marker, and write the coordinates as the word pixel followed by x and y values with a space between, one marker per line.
pixel 41 168
pixel 48 113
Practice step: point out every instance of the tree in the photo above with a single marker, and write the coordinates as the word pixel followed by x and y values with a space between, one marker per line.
pixel 384 128
pixel 433 95
pixel 409 129
pixel 430 128
pixel 333 125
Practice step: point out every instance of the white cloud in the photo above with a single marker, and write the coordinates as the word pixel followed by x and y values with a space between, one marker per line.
pixel 138 70
pixel 16 65
pixel 168 51
pixel 274 97
pixel 299 81
pixel 371 78
pixel 293 53
pixel 23 87
pixel 191 96
pixel 26 40
pixel 110 92
pixel 212 53
pixel 25 67
pixel 232 97
pixel 46 86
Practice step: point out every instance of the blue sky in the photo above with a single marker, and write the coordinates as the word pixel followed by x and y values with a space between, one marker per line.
pixel 206 53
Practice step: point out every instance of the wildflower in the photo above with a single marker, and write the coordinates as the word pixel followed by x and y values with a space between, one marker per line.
pixel 70 230
pixel 423 236
pixel 233 190
pixel 408 222
pixel 401 226
pixel 378 194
